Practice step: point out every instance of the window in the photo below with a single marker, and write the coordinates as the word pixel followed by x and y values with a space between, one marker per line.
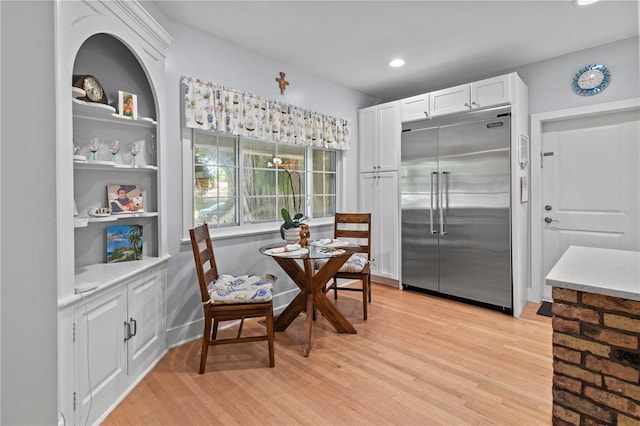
pixel 323 174
pixel 239 180
pixel 215 167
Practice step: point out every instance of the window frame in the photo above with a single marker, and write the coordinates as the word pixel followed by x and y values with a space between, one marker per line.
pixel 243 229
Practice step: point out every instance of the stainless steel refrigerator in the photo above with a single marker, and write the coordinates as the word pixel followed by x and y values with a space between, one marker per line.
pixel 455 184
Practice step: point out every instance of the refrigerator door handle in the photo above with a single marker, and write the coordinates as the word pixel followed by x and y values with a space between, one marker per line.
pixel 444 204
pixel 434 176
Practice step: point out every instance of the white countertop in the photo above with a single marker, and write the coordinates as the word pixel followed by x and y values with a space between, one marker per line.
pixel 600 271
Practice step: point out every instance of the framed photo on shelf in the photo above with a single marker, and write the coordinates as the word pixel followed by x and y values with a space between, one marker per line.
pixel 124 243
pixel 125 199
pixel 127 104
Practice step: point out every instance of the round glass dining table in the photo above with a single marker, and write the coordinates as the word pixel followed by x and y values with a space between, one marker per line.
pixel 311 283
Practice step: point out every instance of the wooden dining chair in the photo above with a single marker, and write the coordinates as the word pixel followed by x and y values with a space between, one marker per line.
pixel 354 228
pixel 229 297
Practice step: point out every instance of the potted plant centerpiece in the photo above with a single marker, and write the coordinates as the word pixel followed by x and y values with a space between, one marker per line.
pixel 290 228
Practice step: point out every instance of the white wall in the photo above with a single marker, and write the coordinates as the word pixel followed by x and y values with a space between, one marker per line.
pixel 197 54
pixel 549 81
pixel 28 314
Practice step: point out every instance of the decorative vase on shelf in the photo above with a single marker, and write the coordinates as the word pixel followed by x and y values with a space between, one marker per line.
pixel 292 235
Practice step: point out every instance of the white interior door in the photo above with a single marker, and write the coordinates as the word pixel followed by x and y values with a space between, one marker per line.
pixel 590 185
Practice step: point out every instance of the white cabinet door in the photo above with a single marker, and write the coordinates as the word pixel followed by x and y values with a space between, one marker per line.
pixel 145 303
pixel 388 141
pixel 379 137
pixel 100 354
pixel 450 100
pixel 491 92
pixel 379 195
pixel 387 220
pixel 367 130
pixel 414 108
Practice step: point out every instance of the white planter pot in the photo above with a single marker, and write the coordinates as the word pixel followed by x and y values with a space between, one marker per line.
pixel 292 235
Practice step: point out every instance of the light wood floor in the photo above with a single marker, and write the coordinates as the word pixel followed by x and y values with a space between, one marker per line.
pixel 417 360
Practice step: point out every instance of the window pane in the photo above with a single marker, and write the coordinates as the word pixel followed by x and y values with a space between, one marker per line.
pixel 215 179
pixel 273 178
pixel 227 181
pixel 291 185
pixel 258 153
pixel 324 205
pixel 292 156
pixel 324 183
pixel 260 209
pixel 227 152
pixel 259 182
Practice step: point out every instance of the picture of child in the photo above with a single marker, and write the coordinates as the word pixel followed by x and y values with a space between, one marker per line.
pixel 125 199
pixel 127 104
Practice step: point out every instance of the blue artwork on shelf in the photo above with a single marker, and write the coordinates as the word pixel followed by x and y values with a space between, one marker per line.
pixel 124 243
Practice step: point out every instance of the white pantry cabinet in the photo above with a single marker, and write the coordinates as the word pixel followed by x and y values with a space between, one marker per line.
pixel 466 97
pixel 379 146
pixel 379 195
pixel 379 137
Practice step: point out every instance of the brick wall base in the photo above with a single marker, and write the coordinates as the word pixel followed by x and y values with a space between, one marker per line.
pixel 596 359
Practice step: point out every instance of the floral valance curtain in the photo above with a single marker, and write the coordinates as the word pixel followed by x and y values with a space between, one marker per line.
pixel 210 106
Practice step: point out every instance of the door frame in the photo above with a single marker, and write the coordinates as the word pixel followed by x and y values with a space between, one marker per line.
pixel 537 122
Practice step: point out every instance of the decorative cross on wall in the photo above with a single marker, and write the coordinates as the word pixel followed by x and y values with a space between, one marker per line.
pixel 282 82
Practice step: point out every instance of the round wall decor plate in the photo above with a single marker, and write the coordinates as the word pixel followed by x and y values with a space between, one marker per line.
pixel 591 80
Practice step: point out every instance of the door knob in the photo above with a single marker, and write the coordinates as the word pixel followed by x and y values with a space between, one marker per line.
pixel 549 220
pixel 547 208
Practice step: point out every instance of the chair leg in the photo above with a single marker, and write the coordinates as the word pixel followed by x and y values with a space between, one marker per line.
pixel 270 337
pixel 240 328
pixel 365 293
pixel 369 285
pixel 335 289
pixel 214 331
pixel 205 343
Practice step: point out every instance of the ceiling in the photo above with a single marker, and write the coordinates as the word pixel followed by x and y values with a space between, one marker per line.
pixel 442 42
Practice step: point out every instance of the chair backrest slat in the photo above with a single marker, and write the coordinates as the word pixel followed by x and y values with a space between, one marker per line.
pixel 200 235
pixel 355 226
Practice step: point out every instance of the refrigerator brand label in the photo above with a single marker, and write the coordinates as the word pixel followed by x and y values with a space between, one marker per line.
pixel 496 124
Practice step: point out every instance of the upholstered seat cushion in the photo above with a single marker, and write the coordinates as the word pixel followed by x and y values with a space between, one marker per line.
pixel 242 289
pixel 356 263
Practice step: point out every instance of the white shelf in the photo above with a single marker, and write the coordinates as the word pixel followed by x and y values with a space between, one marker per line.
pixel 106 165
pixel 103 112
pixel 77 92
pixel 82 221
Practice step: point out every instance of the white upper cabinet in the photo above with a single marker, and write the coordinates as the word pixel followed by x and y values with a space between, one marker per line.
pixel 491 92
pixel 414 108
pixel 379 137
pixel 466 97
pixel 450 100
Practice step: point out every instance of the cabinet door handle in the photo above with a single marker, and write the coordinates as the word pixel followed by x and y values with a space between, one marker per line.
pixel 467 104
pixel 135 327
pixel 474 103
pixel 127 331
pixel 426 113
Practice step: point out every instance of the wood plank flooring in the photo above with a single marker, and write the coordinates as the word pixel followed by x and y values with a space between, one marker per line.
pixel 417 360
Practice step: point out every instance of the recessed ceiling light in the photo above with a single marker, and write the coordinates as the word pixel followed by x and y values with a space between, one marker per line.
pixel 396 63
pixel 585 2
